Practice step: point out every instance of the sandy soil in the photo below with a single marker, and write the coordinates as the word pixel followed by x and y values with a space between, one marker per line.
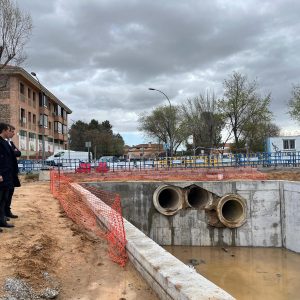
pixel 48 250
pixel 292 174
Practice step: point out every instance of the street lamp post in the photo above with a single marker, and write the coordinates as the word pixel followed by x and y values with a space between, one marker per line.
pixel 171 140
pixel 152 89
pixel 43 119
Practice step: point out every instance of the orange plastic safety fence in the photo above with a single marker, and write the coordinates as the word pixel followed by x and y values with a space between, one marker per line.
pixel 116 233
pixel 186 174
pixel 97 210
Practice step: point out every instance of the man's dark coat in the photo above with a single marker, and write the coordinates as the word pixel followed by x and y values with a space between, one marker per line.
pixel 7 168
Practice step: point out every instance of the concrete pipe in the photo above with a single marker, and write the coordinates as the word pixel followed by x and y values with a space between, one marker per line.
pixel 231 210
pixel 197 197
pixel 168 199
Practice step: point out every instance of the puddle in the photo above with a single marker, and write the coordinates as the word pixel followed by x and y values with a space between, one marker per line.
pixel 246 273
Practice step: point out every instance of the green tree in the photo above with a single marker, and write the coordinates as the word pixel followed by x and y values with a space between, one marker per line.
pixel 203 121
pixel 78 137
pixel 166 124
pixel 104 141
pixel 242 108
pixel 294 103
pixel 257 133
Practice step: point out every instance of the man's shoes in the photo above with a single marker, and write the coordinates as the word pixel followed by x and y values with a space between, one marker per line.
pixel 6 225
pixel 11 215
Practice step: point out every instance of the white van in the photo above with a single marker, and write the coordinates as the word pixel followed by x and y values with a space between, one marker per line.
pixel 68 158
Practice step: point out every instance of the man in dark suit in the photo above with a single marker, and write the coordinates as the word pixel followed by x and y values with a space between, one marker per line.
pixel 16 153
pixel 6 172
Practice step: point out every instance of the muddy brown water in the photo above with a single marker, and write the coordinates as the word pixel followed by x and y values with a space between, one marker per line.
pixel 246 273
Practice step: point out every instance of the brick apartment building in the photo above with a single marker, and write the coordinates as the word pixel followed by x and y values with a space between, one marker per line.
pixel 39 117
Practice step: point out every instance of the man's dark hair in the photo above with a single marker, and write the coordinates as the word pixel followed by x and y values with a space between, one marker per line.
pixel 3 126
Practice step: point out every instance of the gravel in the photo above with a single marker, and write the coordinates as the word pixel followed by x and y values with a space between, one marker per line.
pixel 18 289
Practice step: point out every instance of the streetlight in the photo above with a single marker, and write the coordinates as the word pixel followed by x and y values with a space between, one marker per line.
pixel 171 140
pixel 152 89
pixel 43 120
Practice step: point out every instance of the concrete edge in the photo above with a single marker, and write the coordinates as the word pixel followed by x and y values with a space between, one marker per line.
pixel 167 276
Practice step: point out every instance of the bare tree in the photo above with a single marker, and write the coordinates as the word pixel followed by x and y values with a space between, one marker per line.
pixel 203 121
pixel 15 30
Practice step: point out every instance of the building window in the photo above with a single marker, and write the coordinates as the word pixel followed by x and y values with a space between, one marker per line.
pixel 22 117
pixel 43 100
pixel 44 121
pixel 58 110
pixel 46 101
pixel 64 129
pixel 22 88
pixel 58 127
pixel 34 119
pixel 29 93
pixel 289 144
pixel 23 133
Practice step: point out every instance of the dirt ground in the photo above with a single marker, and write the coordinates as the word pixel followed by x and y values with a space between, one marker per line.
pixel 292 174
pixel 54 256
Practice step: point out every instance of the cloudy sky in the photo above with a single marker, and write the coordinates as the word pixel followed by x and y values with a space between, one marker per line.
pixel 101 56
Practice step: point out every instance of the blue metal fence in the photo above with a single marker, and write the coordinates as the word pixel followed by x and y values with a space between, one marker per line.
pixel 285 159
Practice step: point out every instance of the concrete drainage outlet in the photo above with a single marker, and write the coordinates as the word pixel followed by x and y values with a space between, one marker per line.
pixel 196 197
pixel 231 210
pixel 167 199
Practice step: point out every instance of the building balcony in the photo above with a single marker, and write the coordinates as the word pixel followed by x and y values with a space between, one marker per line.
pixel 59 136
pixel 44 131
pixel 44 110
pixel 58 118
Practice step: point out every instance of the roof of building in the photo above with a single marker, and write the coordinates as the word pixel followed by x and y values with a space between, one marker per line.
pixel 14 70
pixel 148 145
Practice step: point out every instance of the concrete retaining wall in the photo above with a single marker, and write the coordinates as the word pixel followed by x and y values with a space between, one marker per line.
pixel 273 214
pixel 291 215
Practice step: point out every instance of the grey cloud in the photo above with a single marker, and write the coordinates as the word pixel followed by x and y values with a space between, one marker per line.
pixel 101 56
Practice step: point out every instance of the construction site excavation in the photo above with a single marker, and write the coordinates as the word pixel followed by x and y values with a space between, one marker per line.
pixel 170 234
pixel 233 232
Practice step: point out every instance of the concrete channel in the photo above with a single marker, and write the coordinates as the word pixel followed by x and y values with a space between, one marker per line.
pixel 227 213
